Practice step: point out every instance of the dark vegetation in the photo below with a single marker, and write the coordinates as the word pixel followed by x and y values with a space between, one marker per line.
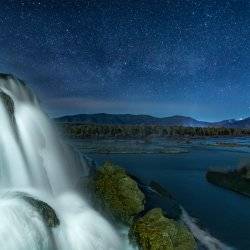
pixel 83 131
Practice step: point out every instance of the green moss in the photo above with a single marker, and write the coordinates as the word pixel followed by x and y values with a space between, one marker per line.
pixel 156 232
pixel 121 196
pixel 119 193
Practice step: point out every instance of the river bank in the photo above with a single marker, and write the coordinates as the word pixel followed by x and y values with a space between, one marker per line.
pixel 217 211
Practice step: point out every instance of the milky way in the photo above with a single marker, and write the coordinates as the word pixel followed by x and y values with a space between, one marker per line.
pixel 154 57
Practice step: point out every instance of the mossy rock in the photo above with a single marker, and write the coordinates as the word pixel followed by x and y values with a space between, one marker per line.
pixel 44 209
pixel 8 102
pixel 154 231
pixel 118 192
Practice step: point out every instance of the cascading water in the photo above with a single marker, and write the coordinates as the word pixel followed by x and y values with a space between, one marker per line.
pixel 34 160
pixel 205 239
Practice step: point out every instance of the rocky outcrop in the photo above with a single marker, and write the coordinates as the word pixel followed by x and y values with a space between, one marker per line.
pixel 159 189
pixel 44 209
pixel 120 195
pixel 118 192
pixel 154 231
pixel 155 195
pixel 244 171
pixel 8 102
pixel 237 180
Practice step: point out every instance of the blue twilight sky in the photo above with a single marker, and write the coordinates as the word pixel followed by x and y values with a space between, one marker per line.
pixel 155 57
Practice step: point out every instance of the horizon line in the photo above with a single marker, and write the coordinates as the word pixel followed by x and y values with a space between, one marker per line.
pixel 141 114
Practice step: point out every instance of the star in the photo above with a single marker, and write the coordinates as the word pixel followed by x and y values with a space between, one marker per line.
pixel 184 55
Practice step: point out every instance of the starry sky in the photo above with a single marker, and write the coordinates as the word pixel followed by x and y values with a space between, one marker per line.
pixel 154 57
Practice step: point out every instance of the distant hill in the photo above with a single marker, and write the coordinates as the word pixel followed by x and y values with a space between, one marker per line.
pixel 128 119
pixel 245 123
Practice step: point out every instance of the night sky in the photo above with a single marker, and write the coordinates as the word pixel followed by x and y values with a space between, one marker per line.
pixel 143 57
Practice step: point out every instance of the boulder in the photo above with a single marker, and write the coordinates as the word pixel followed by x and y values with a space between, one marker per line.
pixel 118 192
pixel 154 231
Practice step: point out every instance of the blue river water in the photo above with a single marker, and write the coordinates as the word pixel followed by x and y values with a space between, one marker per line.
pixel 224 214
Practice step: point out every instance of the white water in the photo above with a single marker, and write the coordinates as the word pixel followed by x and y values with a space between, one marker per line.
pixel 33 159
pixel 207 240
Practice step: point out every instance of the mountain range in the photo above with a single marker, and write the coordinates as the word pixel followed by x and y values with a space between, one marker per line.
pixel 129 119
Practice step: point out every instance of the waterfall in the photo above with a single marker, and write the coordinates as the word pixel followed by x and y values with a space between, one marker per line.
pixel 34 159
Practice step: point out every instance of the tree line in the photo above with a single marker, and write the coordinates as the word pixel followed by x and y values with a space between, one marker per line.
pixel 83 131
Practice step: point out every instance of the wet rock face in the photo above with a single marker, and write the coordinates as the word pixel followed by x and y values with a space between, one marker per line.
pixel 118 192
pixel 5 76
pixel 8 102
pixel 44 209
pixel 237 180
pixel 154 231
